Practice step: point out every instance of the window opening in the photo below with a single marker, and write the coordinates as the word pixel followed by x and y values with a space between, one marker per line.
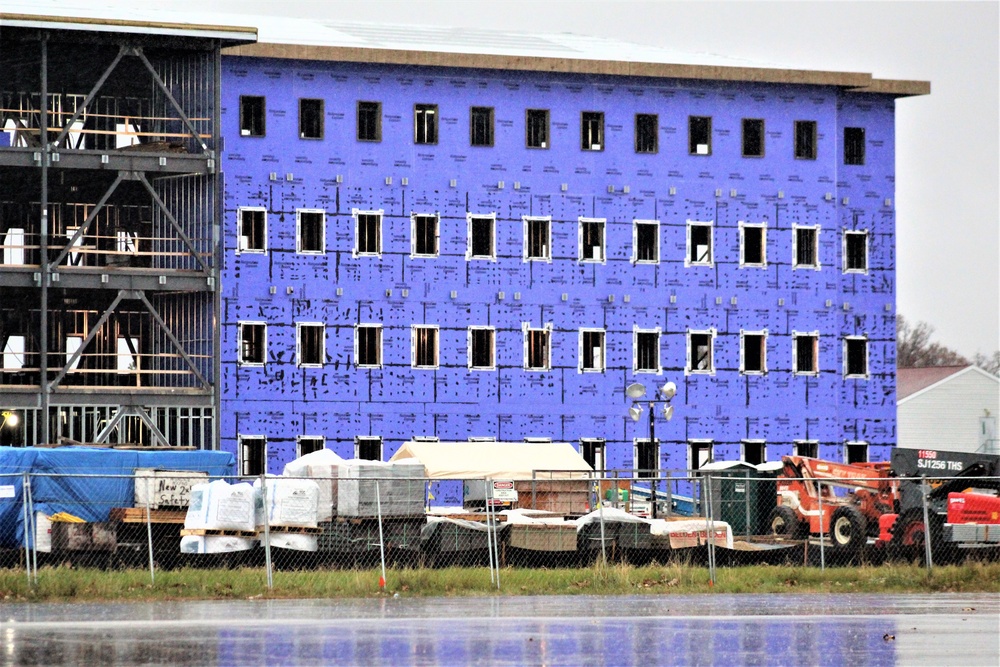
pixel 537 243
pixel 425 346
pixel 369 121
pixel 481 238
pixel 425 124
pixel 854 145
pixel 856 357
pixel 647 458
pixel 806 350
pixel 481 126
pixel 752 245
pixel 592 131
pixel 310 119
pixel 251 116
pixel 253 229
pixel 425 235
pixel 647 351
pixel 368 233
pixel 592 350
pixel 806 247
pixel 13 353
pixel 700 352
pixel 482 348
pixel 700 135
pixel 368 448
pixel 307 444
pixel 253 455
pixel 311 344
pixel 700 452
pixel 646 133
pixel 753 352
pixel 753 137
pixel 807 448
pixel 537 128
pixel 699 238
pixel 856 452
pixel 13 246
pixel 591 240
pixel 311 231
pixel 855 252
pixel 253 343
pixel 754 452
pixel 805 139
pixel 646 241
pixel 537 344
pixel 368 346
pixel 592 450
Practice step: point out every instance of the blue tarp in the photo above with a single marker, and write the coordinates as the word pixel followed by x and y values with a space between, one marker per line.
pixel 55 488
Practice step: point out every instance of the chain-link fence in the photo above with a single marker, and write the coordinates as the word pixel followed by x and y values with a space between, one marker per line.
pixel 393 516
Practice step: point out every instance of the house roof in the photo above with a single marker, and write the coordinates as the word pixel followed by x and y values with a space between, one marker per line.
pixel 912 381
pixel 385 43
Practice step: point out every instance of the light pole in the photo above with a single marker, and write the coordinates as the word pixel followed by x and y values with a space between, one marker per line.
pixel 637 392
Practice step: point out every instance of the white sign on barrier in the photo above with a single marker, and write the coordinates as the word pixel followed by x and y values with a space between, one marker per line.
pixel 503 491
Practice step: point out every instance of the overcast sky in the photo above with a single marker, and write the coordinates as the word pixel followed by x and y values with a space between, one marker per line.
pixel 947 149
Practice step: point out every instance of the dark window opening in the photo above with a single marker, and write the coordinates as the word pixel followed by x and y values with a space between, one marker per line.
pixel 646 133
pixel 806 353
pixel 481 126
pixel 483 348
pixel 700 249
pixel 538 239
pixel 369 342
pixel 311 231
pixel 854 145
pixel 592 240
pixel 856 452
pixel 251 116
pixel 369 121
pixel 646 242
pixel 592 131
pixel 311 119
pixel 754 453
pixel 369 233
pixel 311 344
pixel 425 235
pixel 253 456
pixel 537 353
pixel 701 353
pixel 806 246
pixel 425 347
pixel 308 445
pixel 753 353
pixel 857 357
pixel 807 448
pixel 753 246
pixel 647 351
pixel 369 448
pixel 753 137
pixel 252 343
pixel 253 229
pixel 592 350
pixel 701 453
pixel 700 135
pixel 425 124
pixel 805 139
pixel 481 238
pixel 537 127
pixel 647 458
pixel 855 251
pixel 593 453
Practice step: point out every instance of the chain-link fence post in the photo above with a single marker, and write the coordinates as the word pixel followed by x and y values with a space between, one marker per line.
pixel 24 517
pixel 149 527
pixel 381 535
pixel 600 516
pixel 267 531
pixel 30 557
pixel 822 530
pixel 489 537
pixel 710 526
pixel 928 550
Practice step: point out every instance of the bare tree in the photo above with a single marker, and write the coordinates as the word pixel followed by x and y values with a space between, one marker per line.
pixel 989 363
pixel 914 348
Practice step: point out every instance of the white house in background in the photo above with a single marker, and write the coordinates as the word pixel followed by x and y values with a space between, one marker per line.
pixel 950 408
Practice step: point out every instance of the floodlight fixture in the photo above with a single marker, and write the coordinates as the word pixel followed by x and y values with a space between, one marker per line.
pixel 669 390
pixel 635 390
pixel 9 418
pixel 635 413
pixel 668 412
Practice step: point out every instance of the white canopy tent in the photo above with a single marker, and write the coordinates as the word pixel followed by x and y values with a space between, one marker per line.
pixel 496 460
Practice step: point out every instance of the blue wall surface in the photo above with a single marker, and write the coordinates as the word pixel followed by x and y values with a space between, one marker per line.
pixel 282 173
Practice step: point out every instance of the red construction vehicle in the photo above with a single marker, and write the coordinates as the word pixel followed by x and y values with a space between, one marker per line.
pixel 808 507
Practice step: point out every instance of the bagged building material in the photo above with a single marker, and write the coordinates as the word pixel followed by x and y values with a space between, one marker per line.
pixel 320 466
pixel 364 485
pixel 215 544
pixel 293 541
pixel 221 506
pixel 289 502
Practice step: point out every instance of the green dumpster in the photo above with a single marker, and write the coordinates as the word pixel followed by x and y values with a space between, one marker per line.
pixel 742 495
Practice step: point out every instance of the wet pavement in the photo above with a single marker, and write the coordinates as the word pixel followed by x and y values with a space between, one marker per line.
pixel 938 629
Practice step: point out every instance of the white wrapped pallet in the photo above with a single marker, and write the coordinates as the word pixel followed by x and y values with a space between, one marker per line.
pixel 215 544
pixel 294 541
pixel 400 488
pixel 290 502
pixel 221 506
pixel 320 466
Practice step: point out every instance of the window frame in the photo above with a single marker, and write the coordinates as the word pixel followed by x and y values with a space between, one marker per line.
pixel 591 122
pixel 848 375
pixel 796 228
pixel 546 331
pixel 375 109
pixel 299 326
pixel 490 127
pixel 379 351
pixel 299 440
pixel 356 214
pixel 636 332
pixel 696 445
pixel 493 347
pixel 689 368
pixel 245 248
pixel 743 137
pixel 812 445
pixel 320 118
pixel 546 255
pixel 693 148
pixel 796 336
pixel 646 473
pixel 599 368
pixel 855 148
pixel 414 237
pixel 369 439
pixel 597 452
pixel 241 448
pixel 689 260
pixel 754 442
pixel 806 149
pixel 492 217
pixel 426 133
pixel 581 248
pixel 546 116
pixel 415 348
pixel 655 136
pixel 241 326
pixel 854 444
pixel 247 128
pixel 762 226
pixel 298 231
pixel 763 352
pixel 635 241
pixel 846 254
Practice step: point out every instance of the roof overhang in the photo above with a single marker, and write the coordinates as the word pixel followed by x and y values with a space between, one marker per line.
pixel 227 34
